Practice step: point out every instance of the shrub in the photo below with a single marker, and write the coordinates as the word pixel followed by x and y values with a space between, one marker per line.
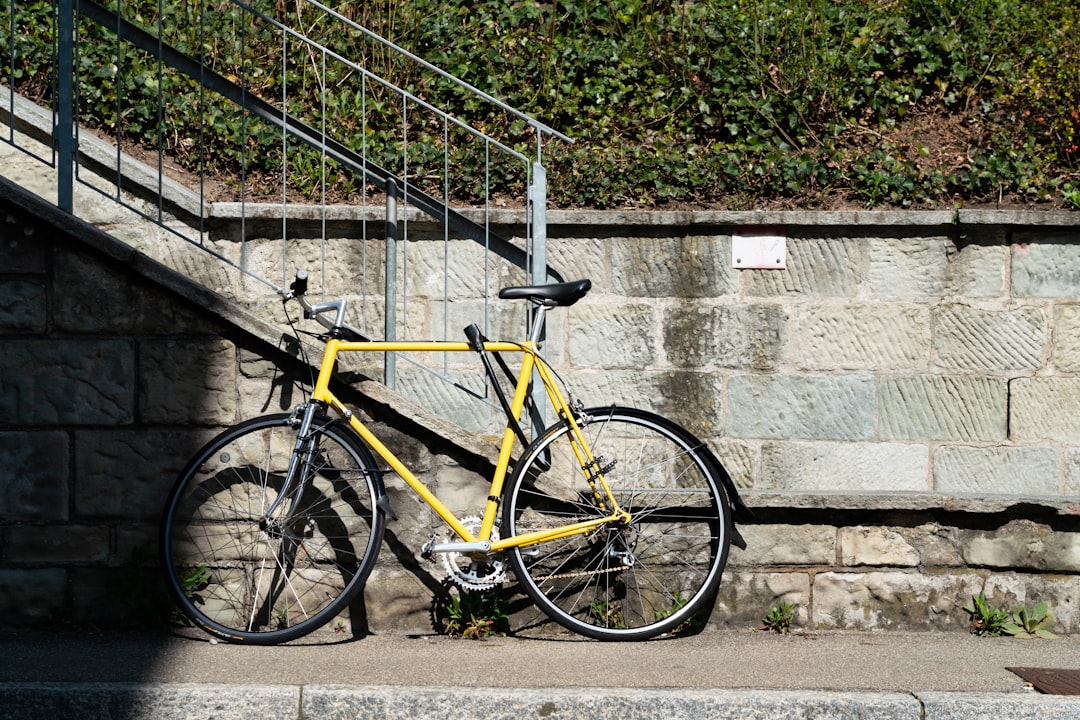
pixel 903 103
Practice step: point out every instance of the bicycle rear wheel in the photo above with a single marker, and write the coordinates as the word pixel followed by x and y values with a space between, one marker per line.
pixel 246 577
pixel 656 574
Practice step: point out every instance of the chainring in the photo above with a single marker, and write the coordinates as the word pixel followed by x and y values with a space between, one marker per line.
pixel 469 571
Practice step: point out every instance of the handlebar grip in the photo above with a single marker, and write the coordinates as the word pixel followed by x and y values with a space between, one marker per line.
pixel 299 285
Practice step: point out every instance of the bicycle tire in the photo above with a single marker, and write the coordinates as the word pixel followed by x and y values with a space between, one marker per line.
pixel 656 575
pixel 245 580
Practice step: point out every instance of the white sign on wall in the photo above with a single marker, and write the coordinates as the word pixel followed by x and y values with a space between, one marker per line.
pixel 760 247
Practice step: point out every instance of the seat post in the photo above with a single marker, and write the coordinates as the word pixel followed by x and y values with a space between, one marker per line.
pixel 536 332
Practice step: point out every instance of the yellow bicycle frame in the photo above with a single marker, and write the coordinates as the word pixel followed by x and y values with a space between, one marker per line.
pixel 530 362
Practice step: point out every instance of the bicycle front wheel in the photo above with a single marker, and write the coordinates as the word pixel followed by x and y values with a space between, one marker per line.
pixel 247 577
pixel 655 575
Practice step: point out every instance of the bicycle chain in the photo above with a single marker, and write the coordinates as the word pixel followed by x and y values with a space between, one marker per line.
pixel 580 573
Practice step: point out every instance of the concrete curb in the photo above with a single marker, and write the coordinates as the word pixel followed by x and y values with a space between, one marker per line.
pixel 165 701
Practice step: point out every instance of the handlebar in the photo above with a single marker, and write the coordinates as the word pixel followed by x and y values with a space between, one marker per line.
pixel 298 289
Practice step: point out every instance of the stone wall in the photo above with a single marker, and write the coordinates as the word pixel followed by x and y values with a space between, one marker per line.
pixel 114 370
pixel 897 404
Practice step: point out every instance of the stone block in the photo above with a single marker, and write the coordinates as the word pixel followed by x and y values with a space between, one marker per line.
pixel 131 594
pixel 1059 592
pixel 57 544
pixel 1015 706
pixel 863 337
pixel 32 595
pixel 876 546
pixel 452 268
pixel 35 476
pixel 397 600
pixel 463 491
pixel 499 320
pixel 1066 344
pixel 92 299
pixel 1072 474
pixel 977 268
pixel 1005 341
pixel 816 267
pixel 330 702
pixel 697 266
pixel 740 460
pixel 1045 264
pixel 582 257
pixel 1022 545
pixel 1044 408
pixel 160 701
pixel 999 469
pixel 614 336
pixel 891 600
pixel 926 407
pixel 745 598
pixel 801 407
pixel 25 307
pixel 21 248
pixel 743 337
pixel 191 381
pixel 128 474
pixel 433 393
pixel 79 381
pixel 264 388
pixel 692 399
pixel 908 267
pixel 938 546
pixel 785 545
pixel 137 540
pixel 844 467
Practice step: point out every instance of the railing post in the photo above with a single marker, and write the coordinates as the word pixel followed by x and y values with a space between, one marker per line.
pixel 64 131
pixel 538 198
pixel 390 313
pixel 538 276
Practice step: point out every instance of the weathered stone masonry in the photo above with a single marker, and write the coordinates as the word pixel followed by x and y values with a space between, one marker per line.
pixel 899 405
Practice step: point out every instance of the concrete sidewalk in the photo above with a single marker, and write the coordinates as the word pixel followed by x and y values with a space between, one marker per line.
pixel 723 674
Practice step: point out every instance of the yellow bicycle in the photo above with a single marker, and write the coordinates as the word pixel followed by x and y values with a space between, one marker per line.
pixel 616 522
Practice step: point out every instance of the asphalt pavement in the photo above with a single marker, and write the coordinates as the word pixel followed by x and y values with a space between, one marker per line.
pixel 717 674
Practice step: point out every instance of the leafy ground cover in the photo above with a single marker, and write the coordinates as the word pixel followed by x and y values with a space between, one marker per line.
pixel 719 104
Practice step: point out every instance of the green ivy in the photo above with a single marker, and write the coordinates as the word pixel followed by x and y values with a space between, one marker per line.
pixel 738 103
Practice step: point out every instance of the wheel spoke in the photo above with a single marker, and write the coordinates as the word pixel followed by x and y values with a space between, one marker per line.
pixel 621 582
pixel 271 579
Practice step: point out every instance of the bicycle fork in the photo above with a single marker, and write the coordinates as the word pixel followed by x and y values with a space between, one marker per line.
pixel 297 475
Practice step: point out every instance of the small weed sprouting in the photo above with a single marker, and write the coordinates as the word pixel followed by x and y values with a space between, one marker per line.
pixel 1034 623
pixel 1071 196
pixel 194 580
pixel 608 613
pixel 686 626
pixel 475 614
pixel 779 618
pixel 985 620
